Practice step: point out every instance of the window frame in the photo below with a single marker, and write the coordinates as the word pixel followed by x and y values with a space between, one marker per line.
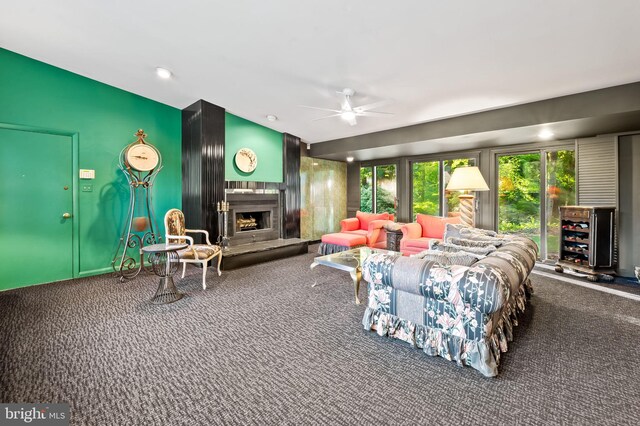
pixel 440 158
pixel 542 148
pixel 374 178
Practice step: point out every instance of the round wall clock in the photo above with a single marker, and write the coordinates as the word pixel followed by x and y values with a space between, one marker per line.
pixel 142 157
pixel 246 160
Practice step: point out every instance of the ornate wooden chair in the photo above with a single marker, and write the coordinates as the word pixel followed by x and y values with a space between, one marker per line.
pixel 175 232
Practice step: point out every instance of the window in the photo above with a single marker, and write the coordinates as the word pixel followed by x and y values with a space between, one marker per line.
pixel 378 183
pixel 426 187
pixel 386 189
pixel 531 188
pixel 429 180
pixel 366 189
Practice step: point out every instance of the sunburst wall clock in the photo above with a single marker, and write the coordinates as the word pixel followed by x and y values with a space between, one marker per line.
pixel 246 160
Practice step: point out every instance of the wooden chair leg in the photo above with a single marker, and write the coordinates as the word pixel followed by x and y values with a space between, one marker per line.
pixel 204 275
pixel 219 261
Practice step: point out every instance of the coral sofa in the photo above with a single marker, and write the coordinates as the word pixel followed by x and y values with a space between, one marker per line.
pixel 417 236
pixel 461 313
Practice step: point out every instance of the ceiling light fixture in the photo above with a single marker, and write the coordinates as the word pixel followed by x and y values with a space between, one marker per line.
pixel 163 73
pixel 348 115
pixel 349 159
pixel 545 134
pixel 271 117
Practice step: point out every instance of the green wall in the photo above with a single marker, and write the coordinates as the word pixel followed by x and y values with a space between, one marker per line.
pixel 266 143
pixel 35 94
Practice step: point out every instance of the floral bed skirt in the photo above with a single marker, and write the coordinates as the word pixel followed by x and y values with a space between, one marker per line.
pixel 483 354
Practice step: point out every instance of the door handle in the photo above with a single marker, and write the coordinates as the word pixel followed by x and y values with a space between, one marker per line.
pixel 66 215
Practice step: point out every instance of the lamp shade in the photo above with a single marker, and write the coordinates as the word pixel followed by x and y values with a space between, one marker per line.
pixel 467 179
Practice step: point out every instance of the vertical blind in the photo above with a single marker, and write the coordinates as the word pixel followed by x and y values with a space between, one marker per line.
pixel 598 171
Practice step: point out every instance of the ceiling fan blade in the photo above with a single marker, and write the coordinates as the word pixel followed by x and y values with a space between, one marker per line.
pixel 321 109
pixel 328 116
pixel 367 107
pixel 372 113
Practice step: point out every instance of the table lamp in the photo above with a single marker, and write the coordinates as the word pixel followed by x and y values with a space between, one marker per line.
pixel 467 179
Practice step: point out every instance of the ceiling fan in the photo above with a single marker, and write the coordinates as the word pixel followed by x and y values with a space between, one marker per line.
pixel 348 112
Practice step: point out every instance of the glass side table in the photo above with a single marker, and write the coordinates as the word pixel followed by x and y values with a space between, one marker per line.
pixel 164 260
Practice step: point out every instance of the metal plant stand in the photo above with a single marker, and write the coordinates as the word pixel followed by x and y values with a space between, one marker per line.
pixel 142 230
pixel 164 262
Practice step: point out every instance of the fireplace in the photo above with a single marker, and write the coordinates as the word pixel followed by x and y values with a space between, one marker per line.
pixel 253 221
pixel 254 215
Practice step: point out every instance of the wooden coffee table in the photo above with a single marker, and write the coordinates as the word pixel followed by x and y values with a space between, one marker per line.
pixel 350 261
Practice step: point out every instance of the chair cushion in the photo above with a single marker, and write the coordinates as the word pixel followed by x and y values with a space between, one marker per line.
pixel 345 239
pixel 422 243
pixel 203 251
pixel 433 226
pixel 358 232
pixel 365 218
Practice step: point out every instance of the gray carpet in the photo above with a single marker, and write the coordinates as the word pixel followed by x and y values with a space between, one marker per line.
pixel 260 346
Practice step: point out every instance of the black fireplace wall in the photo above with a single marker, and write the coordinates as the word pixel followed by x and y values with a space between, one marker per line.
pixel 202 165
pixel 203 172
pixel 292 196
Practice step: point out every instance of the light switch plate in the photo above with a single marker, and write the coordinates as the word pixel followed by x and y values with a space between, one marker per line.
pixel 87 174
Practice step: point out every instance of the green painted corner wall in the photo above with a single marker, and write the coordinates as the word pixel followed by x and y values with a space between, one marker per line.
pixel 35 94
pixel 266 143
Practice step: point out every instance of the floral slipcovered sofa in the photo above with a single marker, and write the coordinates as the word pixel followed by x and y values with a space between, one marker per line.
pixel 461 313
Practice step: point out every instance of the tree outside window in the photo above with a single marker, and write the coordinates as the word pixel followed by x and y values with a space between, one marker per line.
pixel 383 178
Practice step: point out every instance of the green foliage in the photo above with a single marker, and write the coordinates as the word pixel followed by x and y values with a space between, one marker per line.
pixel 366 192
pixel 365 199
pixel 519 203
pixel 519 181
pixel 385 200
pixel 426 187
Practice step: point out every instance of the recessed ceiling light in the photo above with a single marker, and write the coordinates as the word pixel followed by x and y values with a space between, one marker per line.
pixel 545 134
pixel 163 73
pixel 349 159
pixel 271 117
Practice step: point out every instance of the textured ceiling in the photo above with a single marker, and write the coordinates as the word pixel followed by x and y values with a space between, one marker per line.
pixel 430 59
